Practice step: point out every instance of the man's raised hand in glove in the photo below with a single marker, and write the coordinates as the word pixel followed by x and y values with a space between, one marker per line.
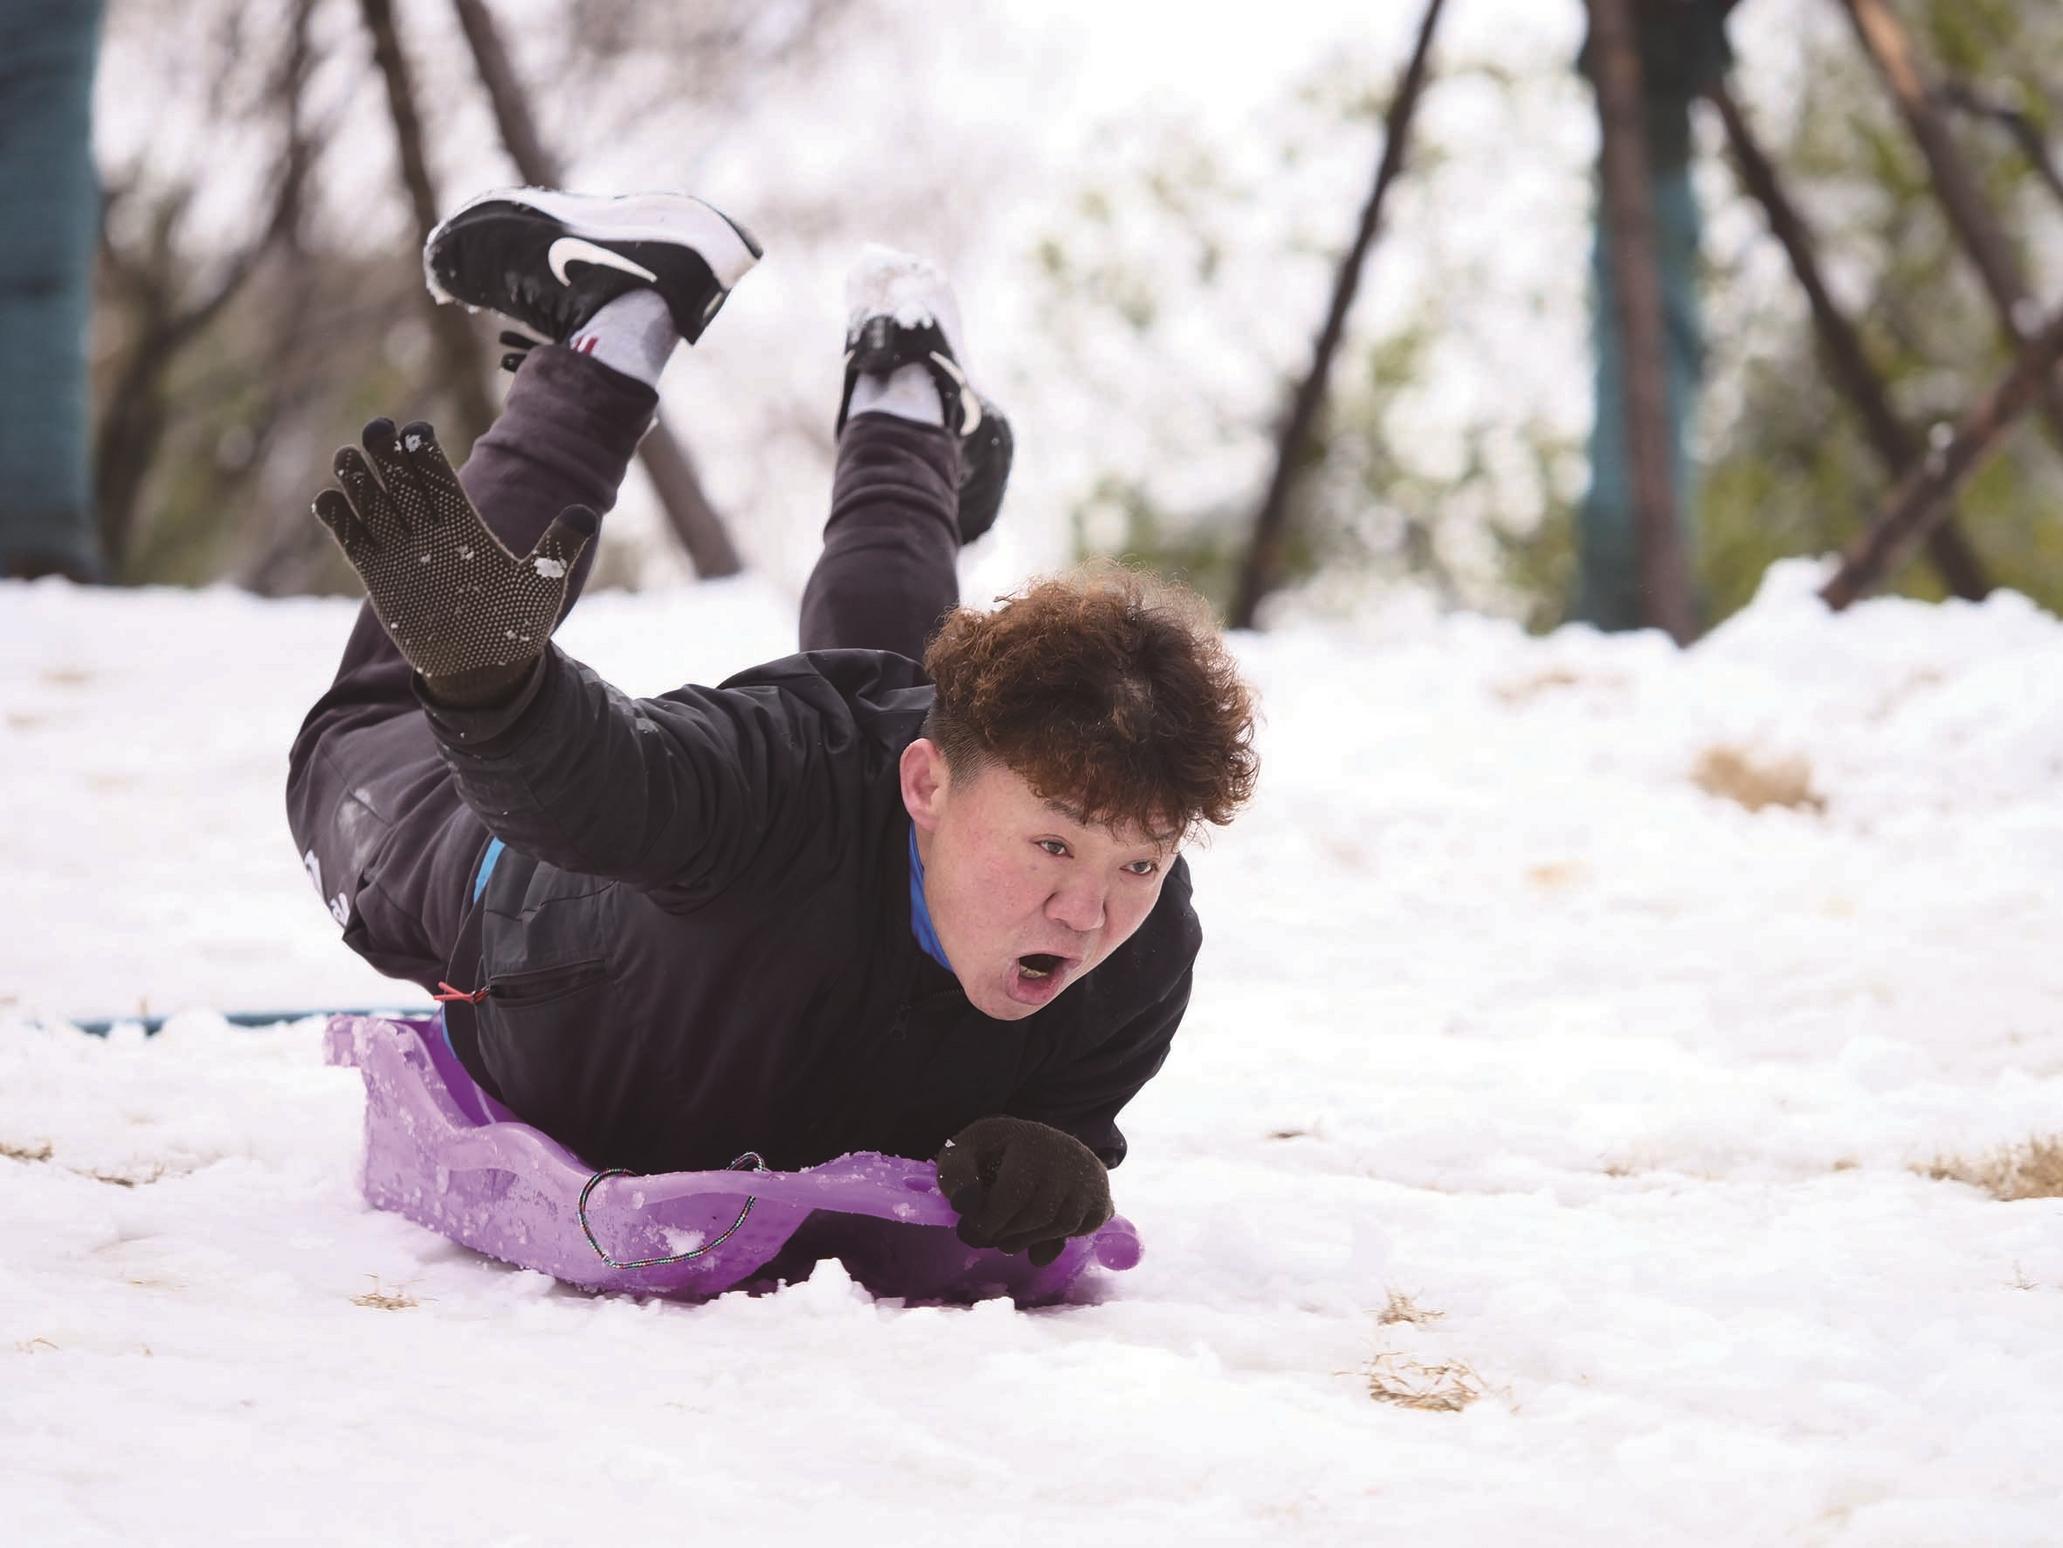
pixel 467 614
pixel 1019 1184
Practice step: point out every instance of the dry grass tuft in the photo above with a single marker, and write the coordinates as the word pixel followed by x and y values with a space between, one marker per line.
pixel 2030 1171
pixel 1402 1308
pixel 1735 776
pixel 1554 875
pixel 157 1172
pixel 43 1150
pixel 1443 1388
pixel 384 1300
pixel 1520 690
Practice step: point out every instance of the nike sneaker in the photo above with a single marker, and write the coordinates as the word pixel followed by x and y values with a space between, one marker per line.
pixel 549 260
pixel 901 311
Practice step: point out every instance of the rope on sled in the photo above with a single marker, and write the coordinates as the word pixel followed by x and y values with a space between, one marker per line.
pixel 749 1162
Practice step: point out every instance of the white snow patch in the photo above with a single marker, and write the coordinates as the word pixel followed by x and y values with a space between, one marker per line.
pixel 1496 1010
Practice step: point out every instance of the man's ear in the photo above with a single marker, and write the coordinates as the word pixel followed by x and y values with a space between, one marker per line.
pixel 925 781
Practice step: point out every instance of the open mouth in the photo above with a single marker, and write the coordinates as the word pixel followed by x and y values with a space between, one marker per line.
pixel 1037 976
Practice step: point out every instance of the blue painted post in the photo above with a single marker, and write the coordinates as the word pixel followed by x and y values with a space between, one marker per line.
pixel 1682 48
pixel 49 222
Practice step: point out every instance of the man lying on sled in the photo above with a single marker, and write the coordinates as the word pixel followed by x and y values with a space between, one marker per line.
pixel 839 902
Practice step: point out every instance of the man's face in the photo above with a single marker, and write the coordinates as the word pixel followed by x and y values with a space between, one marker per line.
pixel 1026 898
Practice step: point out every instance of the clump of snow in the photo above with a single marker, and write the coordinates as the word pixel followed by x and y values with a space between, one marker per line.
pixel 1500 1017
pixel 886 282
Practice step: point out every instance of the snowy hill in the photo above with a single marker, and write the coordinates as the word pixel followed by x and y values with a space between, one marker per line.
pixel 1524 1073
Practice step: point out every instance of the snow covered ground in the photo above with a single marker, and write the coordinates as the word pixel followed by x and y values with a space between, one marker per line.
pixel 1623 1088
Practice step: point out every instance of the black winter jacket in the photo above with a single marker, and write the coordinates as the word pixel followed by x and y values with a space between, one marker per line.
pixel 698 941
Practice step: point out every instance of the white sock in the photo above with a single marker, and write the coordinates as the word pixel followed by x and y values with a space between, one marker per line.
pixel 632 334
pixel 907 392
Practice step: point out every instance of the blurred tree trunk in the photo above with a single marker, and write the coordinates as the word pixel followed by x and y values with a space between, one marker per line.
pixel 689 511
pixel 1895 443
pixel 536 165
pixel 1629 216
pixel 456 351
pixel 1261 570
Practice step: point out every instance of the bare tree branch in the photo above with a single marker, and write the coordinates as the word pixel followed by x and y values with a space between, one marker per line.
pixel 689 511
pixel 457 351
pixel 1897 447
pixel 133 412
pixel 1966 98
pixel 1261 570
pixel 519 136
pixel 1922 497
pixel 1982 237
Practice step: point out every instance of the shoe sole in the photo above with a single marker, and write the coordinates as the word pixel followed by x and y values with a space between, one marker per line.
pixel 726 247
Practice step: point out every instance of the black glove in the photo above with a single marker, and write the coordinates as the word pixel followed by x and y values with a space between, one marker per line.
pixel 1020 1184
pixel 458 605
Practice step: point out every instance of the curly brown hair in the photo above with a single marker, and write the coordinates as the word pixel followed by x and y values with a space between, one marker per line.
pixel 1108 691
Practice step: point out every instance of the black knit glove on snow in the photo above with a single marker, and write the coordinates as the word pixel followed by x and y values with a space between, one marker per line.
pixel 465 612
pixel 1020 1184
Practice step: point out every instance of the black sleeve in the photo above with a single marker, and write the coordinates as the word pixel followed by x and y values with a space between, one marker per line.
pixel 681 794
pixel 1085 1096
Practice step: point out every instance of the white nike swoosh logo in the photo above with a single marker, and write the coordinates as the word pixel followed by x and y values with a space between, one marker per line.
pixel 578 250
pixel 970 400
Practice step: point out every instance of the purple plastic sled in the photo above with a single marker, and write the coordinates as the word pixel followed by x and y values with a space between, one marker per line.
pixel 441 1151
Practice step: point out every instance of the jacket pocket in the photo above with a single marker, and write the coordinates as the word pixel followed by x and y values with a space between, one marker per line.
pixel 540 986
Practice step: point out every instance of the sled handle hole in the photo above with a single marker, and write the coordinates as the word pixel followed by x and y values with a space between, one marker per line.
pixel 749 1162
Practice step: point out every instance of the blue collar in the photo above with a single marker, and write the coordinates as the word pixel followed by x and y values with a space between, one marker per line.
pixel 920 911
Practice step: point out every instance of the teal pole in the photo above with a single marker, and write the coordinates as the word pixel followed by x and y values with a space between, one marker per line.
pixel 1682 50
pixel 49 225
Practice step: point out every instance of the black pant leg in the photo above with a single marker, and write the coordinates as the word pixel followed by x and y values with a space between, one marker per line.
pixel 378 823
pixel 887 572
pixel 565 437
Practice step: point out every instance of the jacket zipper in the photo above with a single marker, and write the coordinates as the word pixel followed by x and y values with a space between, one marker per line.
pixel 538 985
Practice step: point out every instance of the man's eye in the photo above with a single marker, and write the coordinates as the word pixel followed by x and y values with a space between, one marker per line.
pixel 1143 867
pixel 1052 846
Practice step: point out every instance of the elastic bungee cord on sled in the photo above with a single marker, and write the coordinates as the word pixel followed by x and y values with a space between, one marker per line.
pixel 749 1162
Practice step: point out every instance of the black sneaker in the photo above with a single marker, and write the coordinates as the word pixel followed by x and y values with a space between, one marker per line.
pixel 902 312
pixel 551 260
